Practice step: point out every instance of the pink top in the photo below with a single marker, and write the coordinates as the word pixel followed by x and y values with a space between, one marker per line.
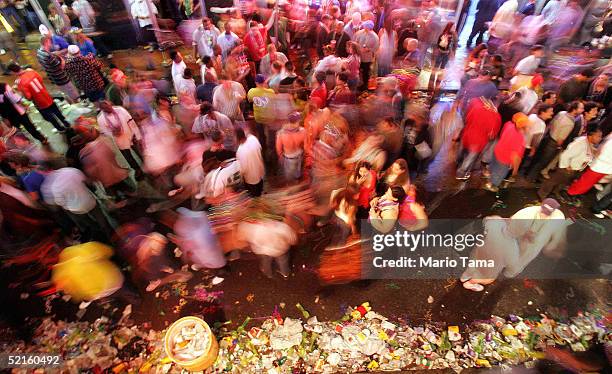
pixel 511 141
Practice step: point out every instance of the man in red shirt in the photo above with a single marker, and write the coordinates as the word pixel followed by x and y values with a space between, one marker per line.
pixel 508 151
pixel 255 42
pixel 482 124
pixel 30 83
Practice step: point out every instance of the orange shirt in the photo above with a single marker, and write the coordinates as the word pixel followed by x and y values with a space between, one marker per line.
pixel 31 85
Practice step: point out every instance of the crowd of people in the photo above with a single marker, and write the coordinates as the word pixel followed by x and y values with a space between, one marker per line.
pixel 283 127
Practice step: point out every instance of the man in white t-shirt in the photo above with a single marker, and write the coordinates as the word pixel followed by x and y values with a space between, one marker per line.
pixel 178 68
pixel 538 126
pixel 186 91
pixel 67 188
pixel 251 161
pixel 205 38
pixel 535 133
pixel 227 41
pixel 140 11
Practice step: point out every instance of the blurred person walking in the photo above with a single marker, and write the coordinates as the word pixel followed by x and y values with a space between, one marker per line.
pixel 290 147
pixel 31 85
pixel 12 111
pixel 249 155
pixel 118 124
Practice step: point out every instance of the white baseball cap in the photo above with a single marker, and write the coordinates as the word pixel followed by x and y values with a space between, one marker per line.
pixel 73 49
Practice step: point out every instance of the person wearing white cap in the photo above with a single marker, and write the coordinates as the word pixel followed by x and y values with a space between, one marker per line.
pixel 367 40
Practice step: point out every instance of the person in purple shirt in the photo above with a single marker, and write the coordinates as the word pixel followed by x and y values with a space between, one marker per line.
pixel 482 86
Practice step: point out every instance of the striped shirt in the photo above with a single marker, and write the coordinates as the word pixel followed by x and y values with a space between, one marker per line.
pixel 227 100
pixel 53 66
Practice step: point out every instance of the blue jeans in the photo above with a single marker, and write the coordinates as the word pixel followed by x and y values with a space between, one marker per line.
pixel 602 204
pixel 499 171
pixel 469 158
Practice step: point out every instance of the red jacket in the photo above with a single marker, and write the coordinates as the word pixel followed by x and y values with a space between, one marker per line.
pixel 482 124
pixel 255 43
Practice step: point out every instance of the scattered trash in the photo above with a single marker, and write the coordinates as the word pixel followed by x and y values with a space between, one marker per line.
pixel 430 300
pixel 250 297
pixel 361 340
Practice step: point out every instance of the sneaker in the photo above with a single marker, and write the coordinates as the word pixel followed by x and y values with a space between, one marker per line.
pixel 603 214
pixel 510 180
pixel 489 187
pixel 545 175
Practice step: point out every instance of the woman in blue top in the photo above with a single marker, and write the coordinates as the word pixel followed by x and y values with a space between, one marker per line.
pixel 85 44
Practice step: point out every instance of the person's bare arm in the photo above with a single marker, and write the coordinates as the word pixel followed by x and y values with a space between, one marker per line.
pixel 516 162
pixel 386 221
pixel 270 22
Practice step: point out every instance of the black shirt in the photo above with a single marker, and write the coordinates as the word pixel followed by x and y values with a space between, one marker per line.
pixel 221 155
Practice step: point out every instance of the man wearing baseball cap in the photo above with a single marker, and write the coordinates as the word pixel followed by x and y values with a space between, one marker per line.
pixel 85 72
